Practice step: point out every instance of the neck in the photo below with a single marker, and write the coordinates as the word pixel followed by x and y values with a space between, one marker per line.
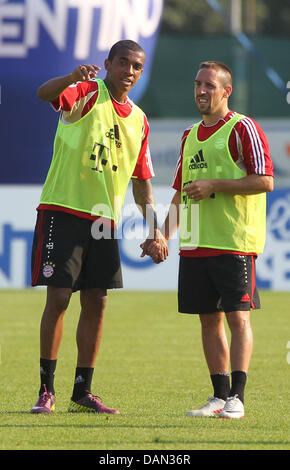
pixel 117 96
pixel 213 118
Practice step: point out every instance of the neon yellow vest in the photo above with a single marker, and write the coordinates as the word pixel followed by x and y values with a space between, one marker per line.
pixel 94 159
pixel 221 221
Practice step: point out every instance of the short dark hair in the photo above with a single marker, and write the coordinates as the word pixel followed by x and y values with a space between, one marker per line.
pixel 127 44
pixel 216 65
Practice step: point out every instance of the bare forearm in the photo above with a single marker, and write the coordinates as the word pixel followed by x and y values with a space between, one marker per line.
pixel 155 245
pixel 158 249
pixel 251 184
pixel 171 222
pixel 144 199
pixel 51 89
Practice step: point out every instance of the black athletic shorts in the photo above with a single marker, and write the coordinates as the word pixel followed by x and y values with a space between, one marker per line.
pixel 65 254
pixel 218 283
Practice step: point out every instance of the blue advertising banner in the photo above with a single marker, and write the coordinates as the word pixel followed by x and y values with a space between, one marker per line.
pixel 18 216
pixel 41 39
pixel 273 267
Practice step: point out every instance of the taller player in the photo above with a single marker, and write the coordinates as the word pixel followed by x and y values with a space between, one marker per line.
pixel 100 144
pixel 221 179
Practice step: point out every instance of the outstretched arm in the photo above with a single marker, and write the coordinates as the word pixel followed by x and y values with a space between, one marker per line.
pixel 50 90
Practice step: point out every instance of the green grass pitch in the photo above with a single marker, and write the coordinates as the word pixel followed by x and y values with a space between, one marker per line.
pixel 151 367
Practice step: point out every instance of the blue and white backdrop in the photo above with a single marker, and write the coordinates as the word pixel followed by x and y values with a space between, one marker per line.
pixel 17 219
pixel 44 38
pixel 40 39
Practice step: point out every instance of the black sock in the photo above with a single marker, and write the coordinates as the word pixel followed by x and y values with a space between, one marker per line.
pixel 83 380
pixel 221 385
pixel 239 379
pixel 47 370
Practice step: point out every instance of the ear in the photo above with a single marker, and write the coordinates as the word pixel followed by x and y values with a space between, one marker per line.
pixel 107 64
pixel 228 91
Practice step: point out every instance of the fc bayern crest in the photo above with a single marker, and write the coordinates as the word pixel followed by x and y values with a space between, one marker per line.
pixel 48 270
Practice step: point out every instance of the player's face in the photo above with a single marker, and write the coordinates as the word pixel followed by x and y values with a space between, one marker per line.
pixel 124 71
pixel 210 93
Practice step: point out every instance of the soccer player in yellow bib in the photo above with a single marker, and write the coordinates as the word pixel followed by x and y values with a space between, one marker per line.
pixel 221 179
pixel 101 143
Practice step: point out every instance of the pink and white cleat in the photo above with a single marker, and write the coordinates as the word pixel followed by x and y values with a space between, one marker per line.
pixel 45 403
pixel 90 404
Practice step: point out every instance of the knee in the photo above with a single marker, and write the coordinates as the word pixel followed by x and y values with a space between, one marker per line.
pixel 58 300
pixel 212 321
pixel 94 301
pixel 239 321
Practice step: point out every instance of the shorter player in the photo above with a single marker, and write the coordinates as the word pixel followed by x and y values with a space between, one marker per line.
pixel 222 175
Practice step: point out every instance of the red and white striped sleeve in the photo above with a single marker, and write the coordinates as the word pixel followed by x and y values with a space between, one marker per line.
pixel 253 147
pixel 177 177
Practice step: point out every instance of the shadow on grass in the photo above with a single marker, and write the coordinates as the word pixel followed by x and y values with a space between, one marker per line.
pixel 110 422
pixel 156 440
